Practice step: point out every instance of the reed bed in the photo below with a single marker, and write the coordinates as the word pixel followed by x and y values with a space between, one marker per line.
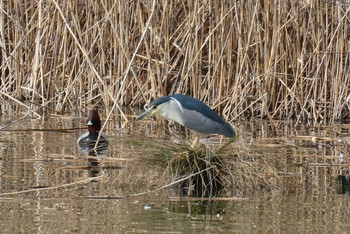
pixel 281 59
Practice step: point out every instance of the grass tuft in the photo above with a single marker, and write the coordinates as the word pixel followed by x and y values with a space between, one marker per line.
pixel 199 172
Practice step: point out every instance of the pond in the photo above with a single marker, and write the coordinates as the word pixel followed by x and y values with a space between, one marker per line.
pixel 300 184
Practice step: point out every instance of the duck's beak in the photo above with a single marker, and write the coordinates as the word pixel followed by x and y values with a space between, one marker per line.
pixel 148 112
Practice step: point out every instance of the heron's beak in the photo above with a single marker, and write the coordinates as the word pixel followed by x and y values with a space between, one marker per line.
pixel 148 112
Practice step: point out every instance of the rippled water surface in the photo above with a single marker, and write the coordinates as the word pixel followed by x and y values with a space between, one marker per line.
pixel 48 186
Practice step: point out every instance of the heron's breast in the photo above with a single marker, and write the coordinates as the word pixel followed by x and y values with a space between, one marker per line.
pixel 173 111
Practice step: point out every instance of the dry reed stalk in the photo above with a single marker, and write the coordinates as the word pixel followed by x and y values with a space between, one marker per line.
pixel 271 59
pixel 84 181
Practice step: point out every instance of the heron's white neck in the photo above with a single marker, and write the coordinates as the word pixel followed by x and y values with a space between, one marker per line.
pixel 172 110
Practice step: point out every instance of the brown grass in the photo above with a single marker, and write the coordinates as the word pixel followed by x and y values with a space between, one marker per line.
pixel 200 172
pixel 270 59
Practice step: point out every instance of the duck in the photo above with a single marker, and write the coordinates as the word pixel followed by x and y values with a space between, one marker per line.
pixel 94 126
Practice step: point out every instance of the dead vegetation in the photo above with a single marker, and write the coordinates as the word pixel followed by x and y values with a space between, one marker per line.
pixel 201 172
pixel 280 59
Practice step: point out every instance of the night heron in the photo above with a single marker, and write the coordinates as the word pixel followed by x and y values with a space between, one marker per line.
pixel 191 113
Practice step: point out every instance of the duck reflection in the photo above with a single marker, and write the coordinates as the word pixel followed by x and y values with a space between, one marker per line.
pixel 87 143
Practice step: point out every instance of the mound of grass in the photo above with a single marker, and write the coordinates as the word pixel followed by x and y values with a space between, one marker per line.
pixel 200 172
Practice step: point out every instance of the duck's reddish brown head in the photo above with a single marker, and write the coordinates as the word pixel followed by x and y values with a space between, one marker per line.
pixel 93 121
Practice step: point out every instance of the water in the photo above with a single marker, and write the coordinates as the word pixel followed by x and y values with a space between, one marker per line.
pixel 49 186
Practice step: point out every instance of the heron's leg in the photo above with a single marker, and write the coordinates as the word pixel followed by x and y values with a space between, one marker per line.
pixel 196 139
pixel 190 187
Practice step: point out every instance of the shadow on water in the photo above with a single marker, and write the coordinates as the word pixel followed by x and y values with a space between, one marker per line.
pixel 199 207
pixel 88 148
pixel 343 184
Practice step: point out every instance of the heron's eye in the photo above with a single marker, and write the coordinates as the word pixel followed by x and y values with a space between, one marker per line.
pixel 154 107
